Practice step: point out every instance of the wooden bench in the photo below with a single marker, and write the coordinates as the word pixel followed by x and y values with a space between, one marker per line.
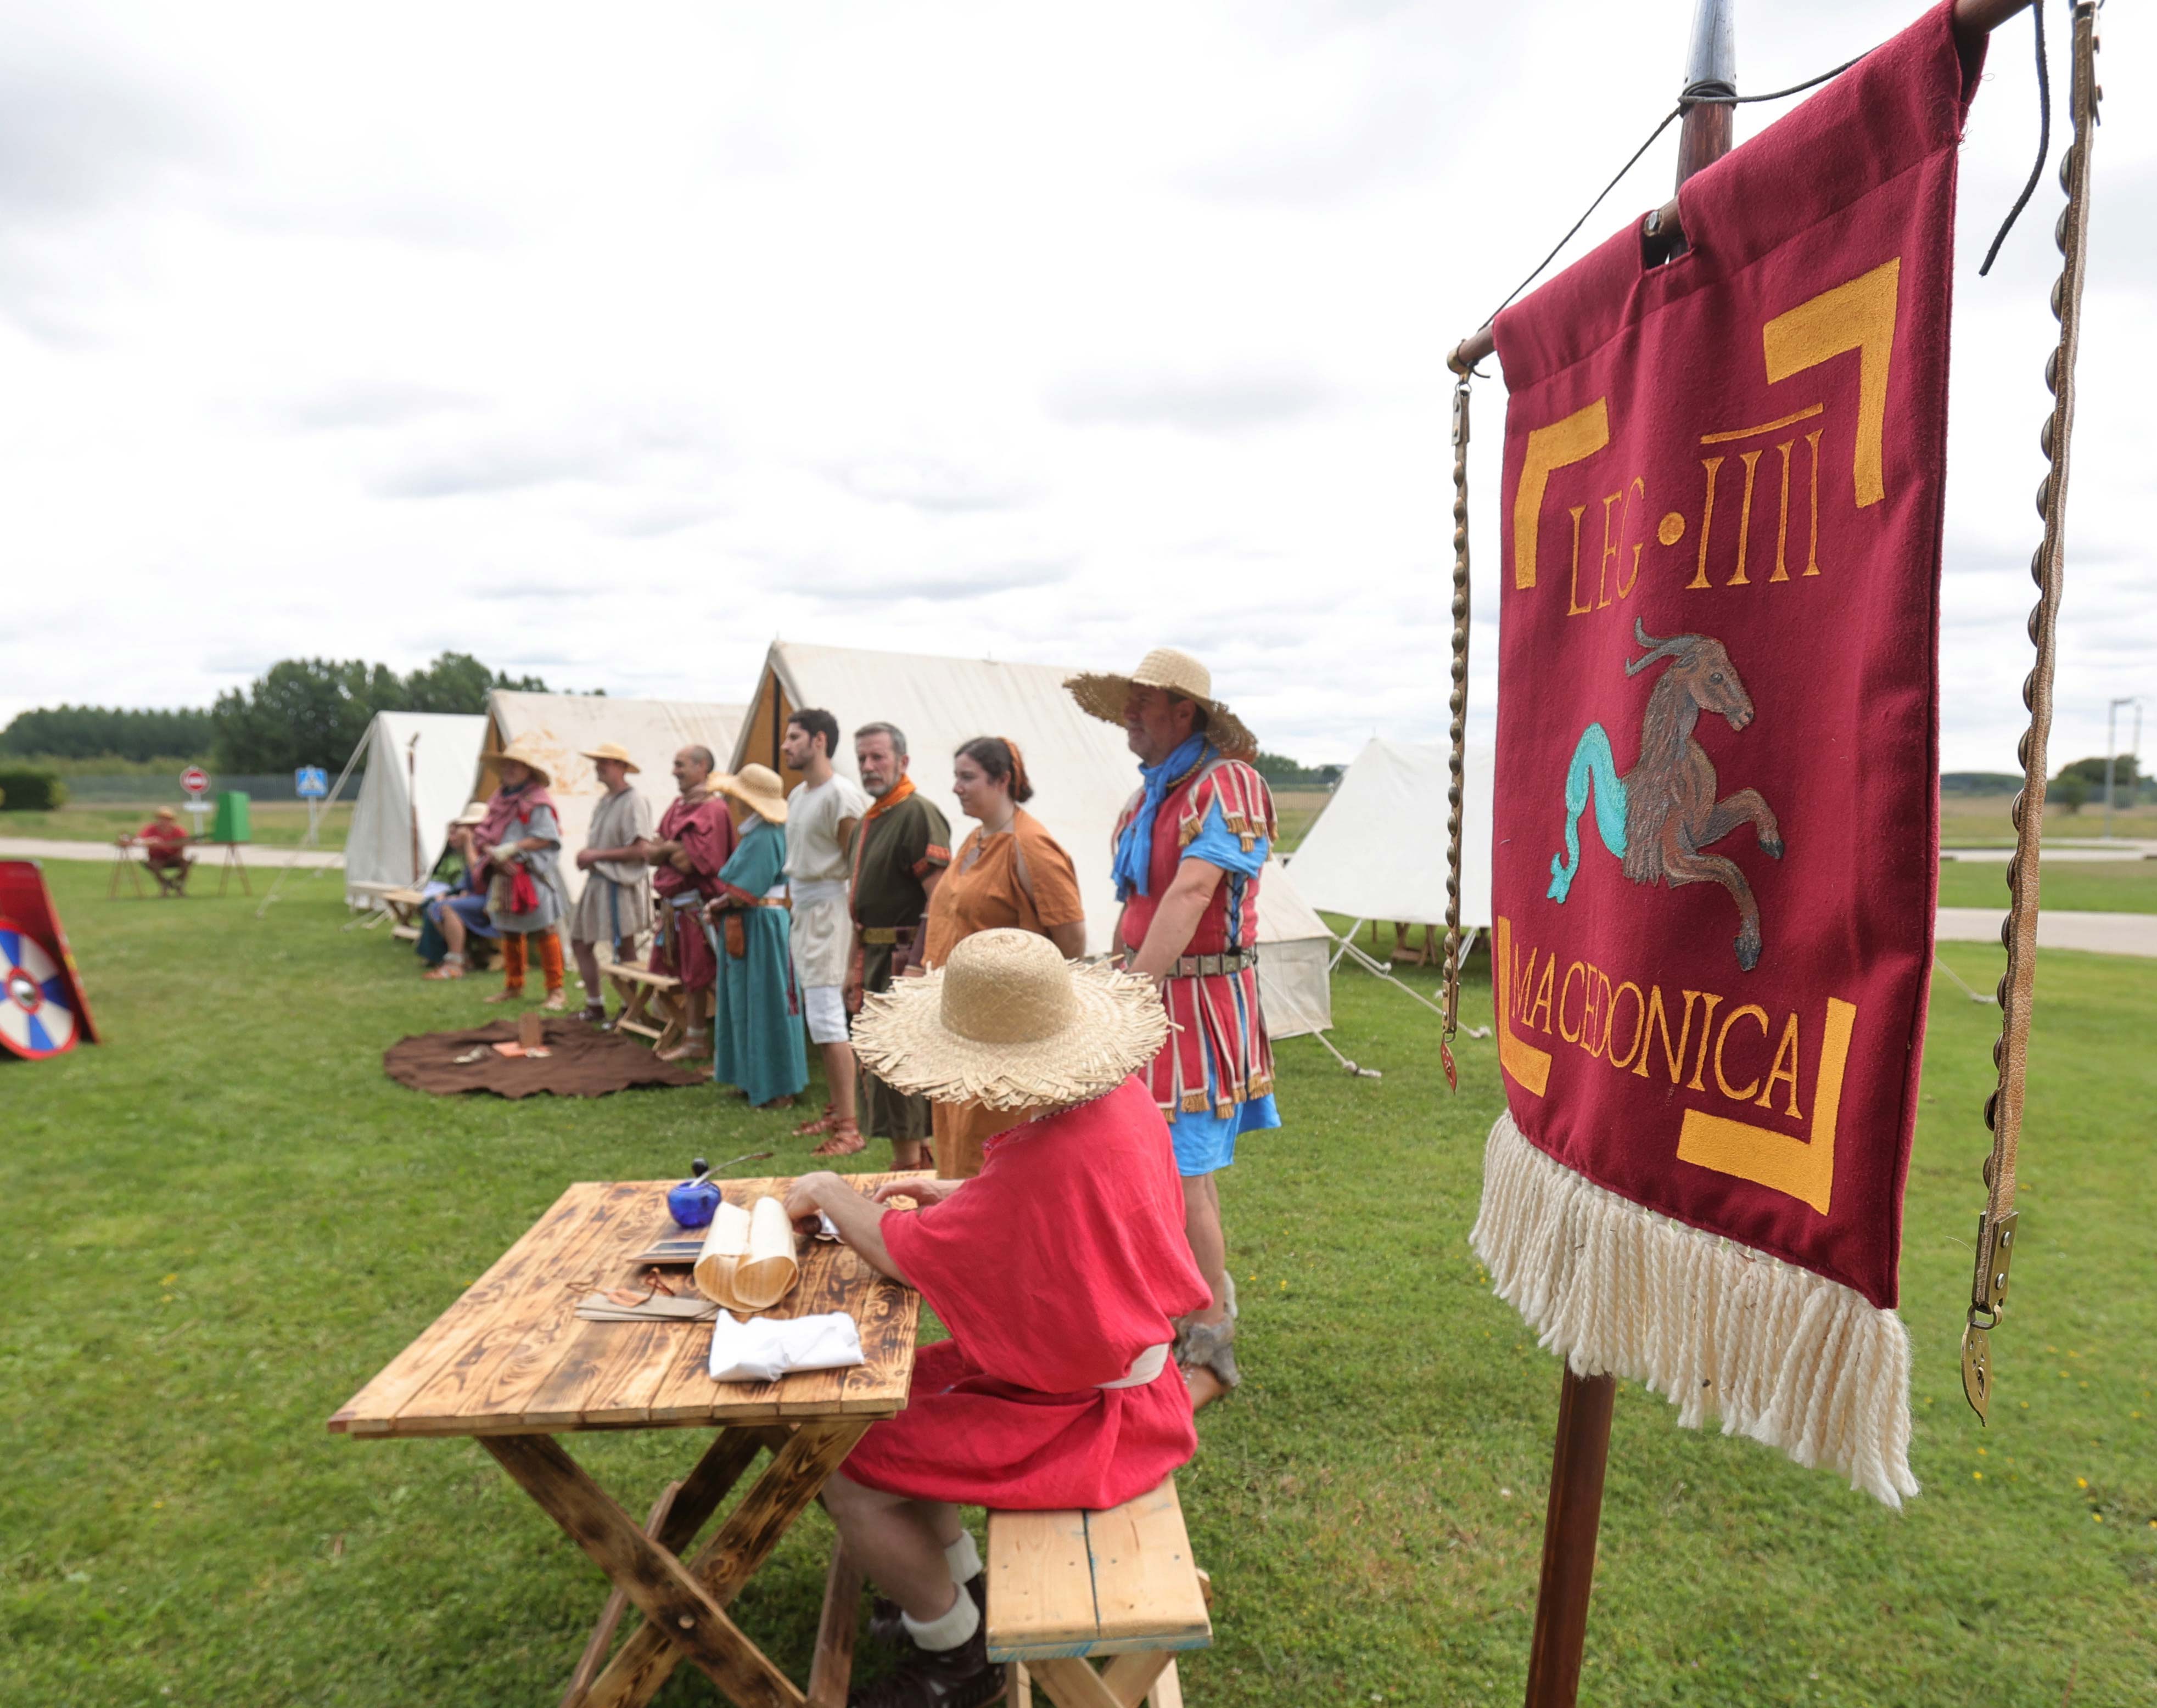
pixel 642 991
pixel 1065 1586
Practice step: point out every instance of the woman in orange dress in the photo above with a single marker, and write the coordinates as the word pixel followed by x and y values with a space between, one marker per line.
pixel 1009 872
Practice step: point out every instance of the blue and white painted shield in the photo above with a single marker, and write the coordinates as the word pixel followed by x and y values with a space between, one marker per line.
pixel 35 1020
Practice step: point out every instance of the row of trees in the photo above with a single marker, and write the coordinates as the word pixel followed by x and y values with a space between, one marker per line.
pixel 108 732
pixel 299 712
pixel 314 711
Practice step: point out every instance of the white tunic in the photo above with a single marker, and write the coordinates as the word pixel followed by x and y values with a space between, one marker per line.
pixel 822 934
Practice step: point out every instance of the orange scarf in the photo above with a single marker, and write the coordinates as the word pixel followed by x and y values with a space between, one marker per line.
pixel 899 791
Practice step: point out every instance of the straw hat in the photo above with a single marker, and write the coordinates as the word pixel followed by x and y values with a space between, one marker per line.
pixel 757 787
pixel 474 813
pixel 1103 694
pixel 1008 1023
pixel 610 750
pixel 525 752
pixel 168 814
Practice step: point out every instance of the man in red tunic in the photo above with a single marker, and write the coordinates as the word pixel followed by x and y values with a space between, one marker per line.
pixel 1058 1269
pixel 1188 850
pixel 696 838
pixel 163 842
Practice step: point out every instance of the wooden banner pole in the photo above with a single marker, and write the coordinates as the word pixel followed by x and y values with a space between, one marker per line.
pixel 1582 1450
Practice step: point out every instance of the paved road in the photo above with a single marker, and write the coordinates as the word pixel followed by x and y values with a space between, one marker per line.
pixel 252 854
pixel 2101 933
pixel 2117 850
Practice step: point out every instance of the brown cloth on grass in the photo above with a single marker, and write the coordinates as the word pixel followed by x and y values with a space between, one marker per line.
pixel 583 1062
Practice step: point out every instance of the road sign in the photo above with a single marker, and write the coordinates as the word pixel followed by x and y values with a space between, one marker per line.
pixel 195 780
pixel 310 782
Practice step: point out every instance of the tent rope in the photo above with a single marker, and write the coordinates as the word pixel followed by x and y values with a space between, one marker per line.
pixel 2003 1109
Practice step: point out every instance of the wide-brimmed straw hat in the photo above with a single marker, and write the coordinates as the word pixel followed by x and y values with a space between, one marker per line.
pixel 474 813
pixel 1007 1023
pixel 1103 693
pixel 167 813
pixel 525 752
pixel 757 787
pixel 610 750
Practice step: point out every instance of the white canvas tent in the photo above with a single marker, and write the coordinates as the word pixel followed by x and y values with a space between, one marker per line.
pixel 1378 850
pixel 562 725
pixel 427 781
pixel 1295 959
pixel 1082 773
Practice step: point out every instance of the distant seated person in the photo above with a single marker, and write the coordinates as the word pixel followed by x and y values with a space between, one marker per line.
pixel 454 921
pixel 163 842
pixel 1058 1269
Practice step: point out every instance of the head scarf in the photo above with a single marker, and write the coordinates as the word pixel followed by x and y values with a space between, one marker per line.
pixel 507 806
pixel 1135 847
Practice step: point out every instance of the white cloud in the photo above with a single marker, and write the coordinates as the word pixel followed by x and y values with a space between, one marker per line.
pixel 610 345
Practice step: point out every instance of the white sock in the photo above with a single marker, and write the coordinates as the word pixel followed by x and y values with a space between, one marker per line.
pixel 948 1632
pixel 964 1558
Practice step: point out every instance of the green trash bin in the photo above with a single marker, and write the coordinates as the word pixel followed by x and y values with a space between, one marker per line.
pixel 230 823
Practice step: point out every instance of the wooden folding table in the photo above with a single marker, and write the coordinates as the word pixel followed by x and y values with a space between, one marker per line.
pixel 512 1364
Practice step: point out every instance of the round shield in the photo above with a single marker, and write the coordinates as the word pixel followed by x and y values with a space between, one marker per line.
pixel 35 1020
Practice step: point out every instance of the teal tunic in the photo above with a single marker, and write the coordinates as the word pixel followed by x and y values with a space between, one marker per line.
pixel 756 1025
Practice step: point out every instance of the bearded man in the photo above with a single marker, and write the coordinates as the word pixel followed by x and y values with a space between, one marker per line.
pixel 900 851
pixel 1189 848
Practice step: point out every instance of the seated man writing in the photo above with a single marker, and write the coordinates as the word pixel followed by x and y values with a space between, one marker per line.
pixel 1059 1270
pixel 163 842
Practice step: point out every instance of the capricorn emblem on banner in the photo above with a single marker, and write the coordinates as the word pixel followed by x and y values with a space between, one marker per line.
pixel 1659 817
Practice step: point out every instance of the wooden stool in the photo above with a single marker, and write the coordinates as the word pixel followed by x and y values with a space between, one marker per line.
pixel 1063 1586
pixel 404 906
pixel 641 991
pixel 125 865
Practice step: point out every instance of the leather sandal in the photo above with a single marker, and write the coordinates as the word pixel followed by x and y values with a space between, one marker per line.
pixel 823 1123
pixel 844 1140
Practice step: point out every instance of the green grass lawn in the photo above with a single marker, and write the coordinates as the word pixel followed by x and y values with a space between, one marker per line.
pixel 226 1219
pixel 2078 886
pixel 275 823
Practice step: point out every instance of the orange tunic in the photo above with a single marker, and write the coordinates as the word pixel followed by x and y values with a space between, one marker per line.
pixel 1017 878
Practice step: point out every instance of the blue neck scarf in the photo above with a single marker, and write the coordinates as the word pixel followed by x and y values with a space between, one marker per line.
pixel 1135 847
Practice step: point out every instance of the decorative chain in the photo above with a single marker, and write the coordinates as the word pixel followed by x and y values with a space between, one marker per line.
pixel 1460 730
pixel 2003 1109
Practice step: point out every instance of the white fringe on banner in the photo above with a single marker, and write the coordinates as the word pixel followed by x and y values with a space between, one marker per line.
pixel 1785 1356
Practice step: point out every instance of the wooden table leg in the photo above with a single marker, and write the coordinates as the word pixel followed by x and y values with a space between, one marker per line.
pixel 726 1562
pixel 673 1602
pixel 833 1670
pixel 617 1603
pixel 704 1488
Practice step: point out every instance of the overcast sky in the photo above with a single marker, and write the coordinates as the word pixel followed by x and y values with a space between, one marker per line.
pixel 611 342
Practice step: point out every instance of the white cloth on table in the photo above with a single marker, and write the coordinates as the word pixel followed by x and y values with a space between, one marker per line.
pixel 764 1349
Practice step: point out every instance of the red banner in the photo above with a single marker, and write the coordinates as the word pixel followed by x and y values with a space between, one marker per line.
pixel 1716 805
